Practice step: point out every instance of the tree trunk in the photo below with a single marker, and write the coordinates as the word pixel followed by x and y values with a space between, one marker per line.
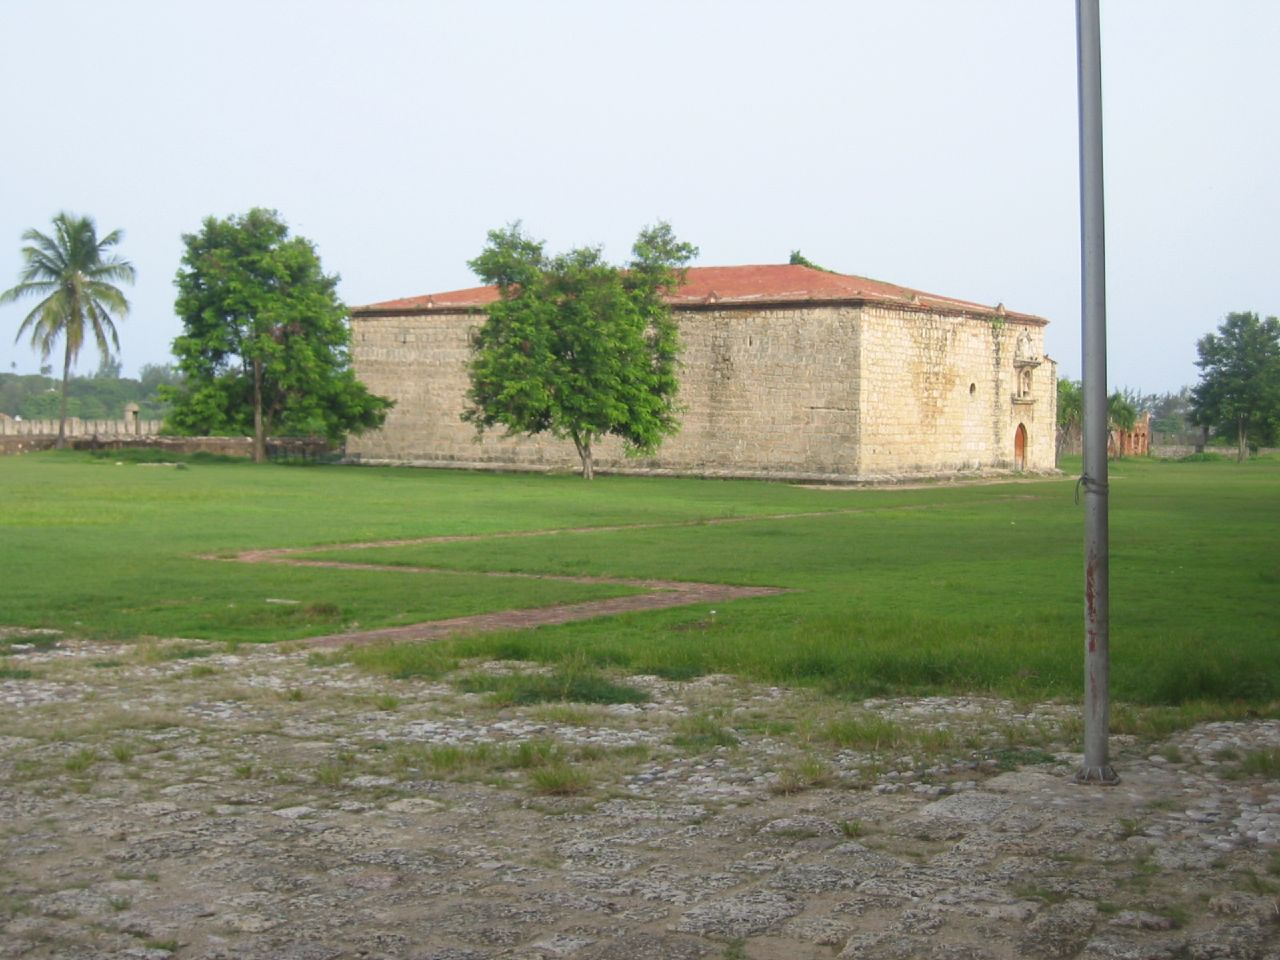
pixel 259 434
pixel 1242 449
pixel 583 443
pixel 61 443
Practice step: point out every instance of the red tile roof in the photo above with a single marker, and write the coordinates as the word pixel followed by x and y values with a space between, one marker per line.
pixel 767 284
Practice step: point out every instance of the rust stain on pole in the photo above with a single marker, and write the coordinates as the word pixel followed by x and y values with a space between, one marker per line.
pixel 1091 598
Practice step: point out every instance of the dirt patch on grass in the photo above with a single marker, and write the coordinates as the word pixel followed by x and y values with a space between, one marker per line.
pixel 658 595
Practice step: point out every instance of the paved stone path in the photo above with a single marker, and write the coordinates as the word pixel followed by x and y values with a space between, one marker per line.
pixel 278 805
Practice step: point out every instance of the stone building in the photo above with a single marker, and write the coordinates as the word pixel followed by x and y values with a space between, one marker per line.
pixel 786 372
pixel 1131 443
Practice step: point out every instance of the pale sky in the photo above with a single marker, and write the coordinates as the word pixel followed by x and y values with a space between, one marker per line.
pixel 930 143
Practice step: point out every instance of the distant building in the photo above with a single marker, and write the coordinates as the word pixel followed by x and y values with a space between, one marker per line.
pixel 1131 443
pixel 786 372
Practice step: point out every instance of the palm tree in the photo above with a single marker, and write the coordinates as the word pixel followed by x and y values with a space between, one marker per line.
pixel 1070 414
pixel 1122 415
pixel 73 272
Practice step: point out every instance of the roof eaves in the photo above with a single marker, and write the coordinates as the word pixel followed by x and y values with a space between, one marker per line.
pixel 702 305
pixel 954 308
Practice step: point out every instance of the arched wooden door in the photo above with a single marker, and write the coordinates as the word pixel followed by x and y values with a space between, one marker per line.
pixel 1020 448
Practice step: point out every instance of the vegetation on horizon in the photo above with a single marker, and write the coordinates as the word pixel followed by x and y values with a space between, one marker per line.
pixel 1239 389
pixel 1122 413
pixel 74 273
pixel 101 395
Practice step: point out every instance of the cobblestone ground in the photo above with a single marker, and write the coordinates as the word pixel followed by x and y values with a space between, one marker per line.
pixel 158 802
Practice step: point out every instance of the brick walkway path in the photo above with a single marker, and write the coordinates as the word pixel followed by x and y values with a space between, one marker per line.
pixel 658 595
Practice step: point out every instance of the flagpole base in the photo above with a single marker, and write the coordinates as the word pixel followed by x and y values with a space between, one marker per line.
pixel 1097 776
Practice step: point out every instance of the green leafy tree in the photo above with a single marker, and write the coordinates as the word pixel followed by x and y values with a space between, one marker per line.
pixel 1239 388
pixel 75 275
pixel 1171 415
pixel 1070 412
pixel 1121 415
pixel 265 342
pixel 152 376
pixel 576 347
pixel 109 368
pixel 1141 402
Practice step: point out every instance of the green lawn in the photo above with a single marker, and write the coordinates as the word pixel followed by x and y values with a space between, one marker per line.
pixel 939 589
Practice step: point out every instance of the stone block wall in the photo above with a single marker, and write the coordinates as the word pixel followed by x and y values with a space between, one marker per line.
pixel 278 448
pixel 767 392
pixel 942 394
pixel 1176 451
pixel 421 362
pixel 10 444
pixel 825 391
pixel 753 401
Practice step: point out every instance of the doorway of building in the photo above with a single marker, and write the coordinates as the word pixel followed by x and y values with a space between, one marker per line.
pixel 1020 448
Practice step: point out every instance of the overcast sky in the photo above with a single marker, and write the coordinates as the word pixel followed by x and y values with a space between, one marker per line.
pixel 930 143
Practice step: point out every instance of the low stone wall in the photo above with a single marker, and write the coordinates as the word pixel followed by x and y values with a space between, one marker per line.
pixel 277 448
pixel 79 428
pixel 1176 451
pixel 11 445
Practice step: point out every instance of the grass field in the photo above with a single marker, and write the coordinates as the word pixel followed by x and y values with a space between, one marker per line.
pixel 937 589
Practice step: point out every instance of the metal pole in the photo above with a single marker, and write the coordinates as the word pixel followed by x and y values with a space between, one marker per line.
pixel 1097 617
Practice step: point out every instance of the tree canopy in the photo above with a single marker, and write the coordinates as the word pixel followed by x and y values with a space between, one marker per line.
pixel 264 348
pixel 1070 403
pixel 576 347
pixel 1070 411
pixel 1239 388
pixel 94 397
pixel 75 275
pixel 1122 414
